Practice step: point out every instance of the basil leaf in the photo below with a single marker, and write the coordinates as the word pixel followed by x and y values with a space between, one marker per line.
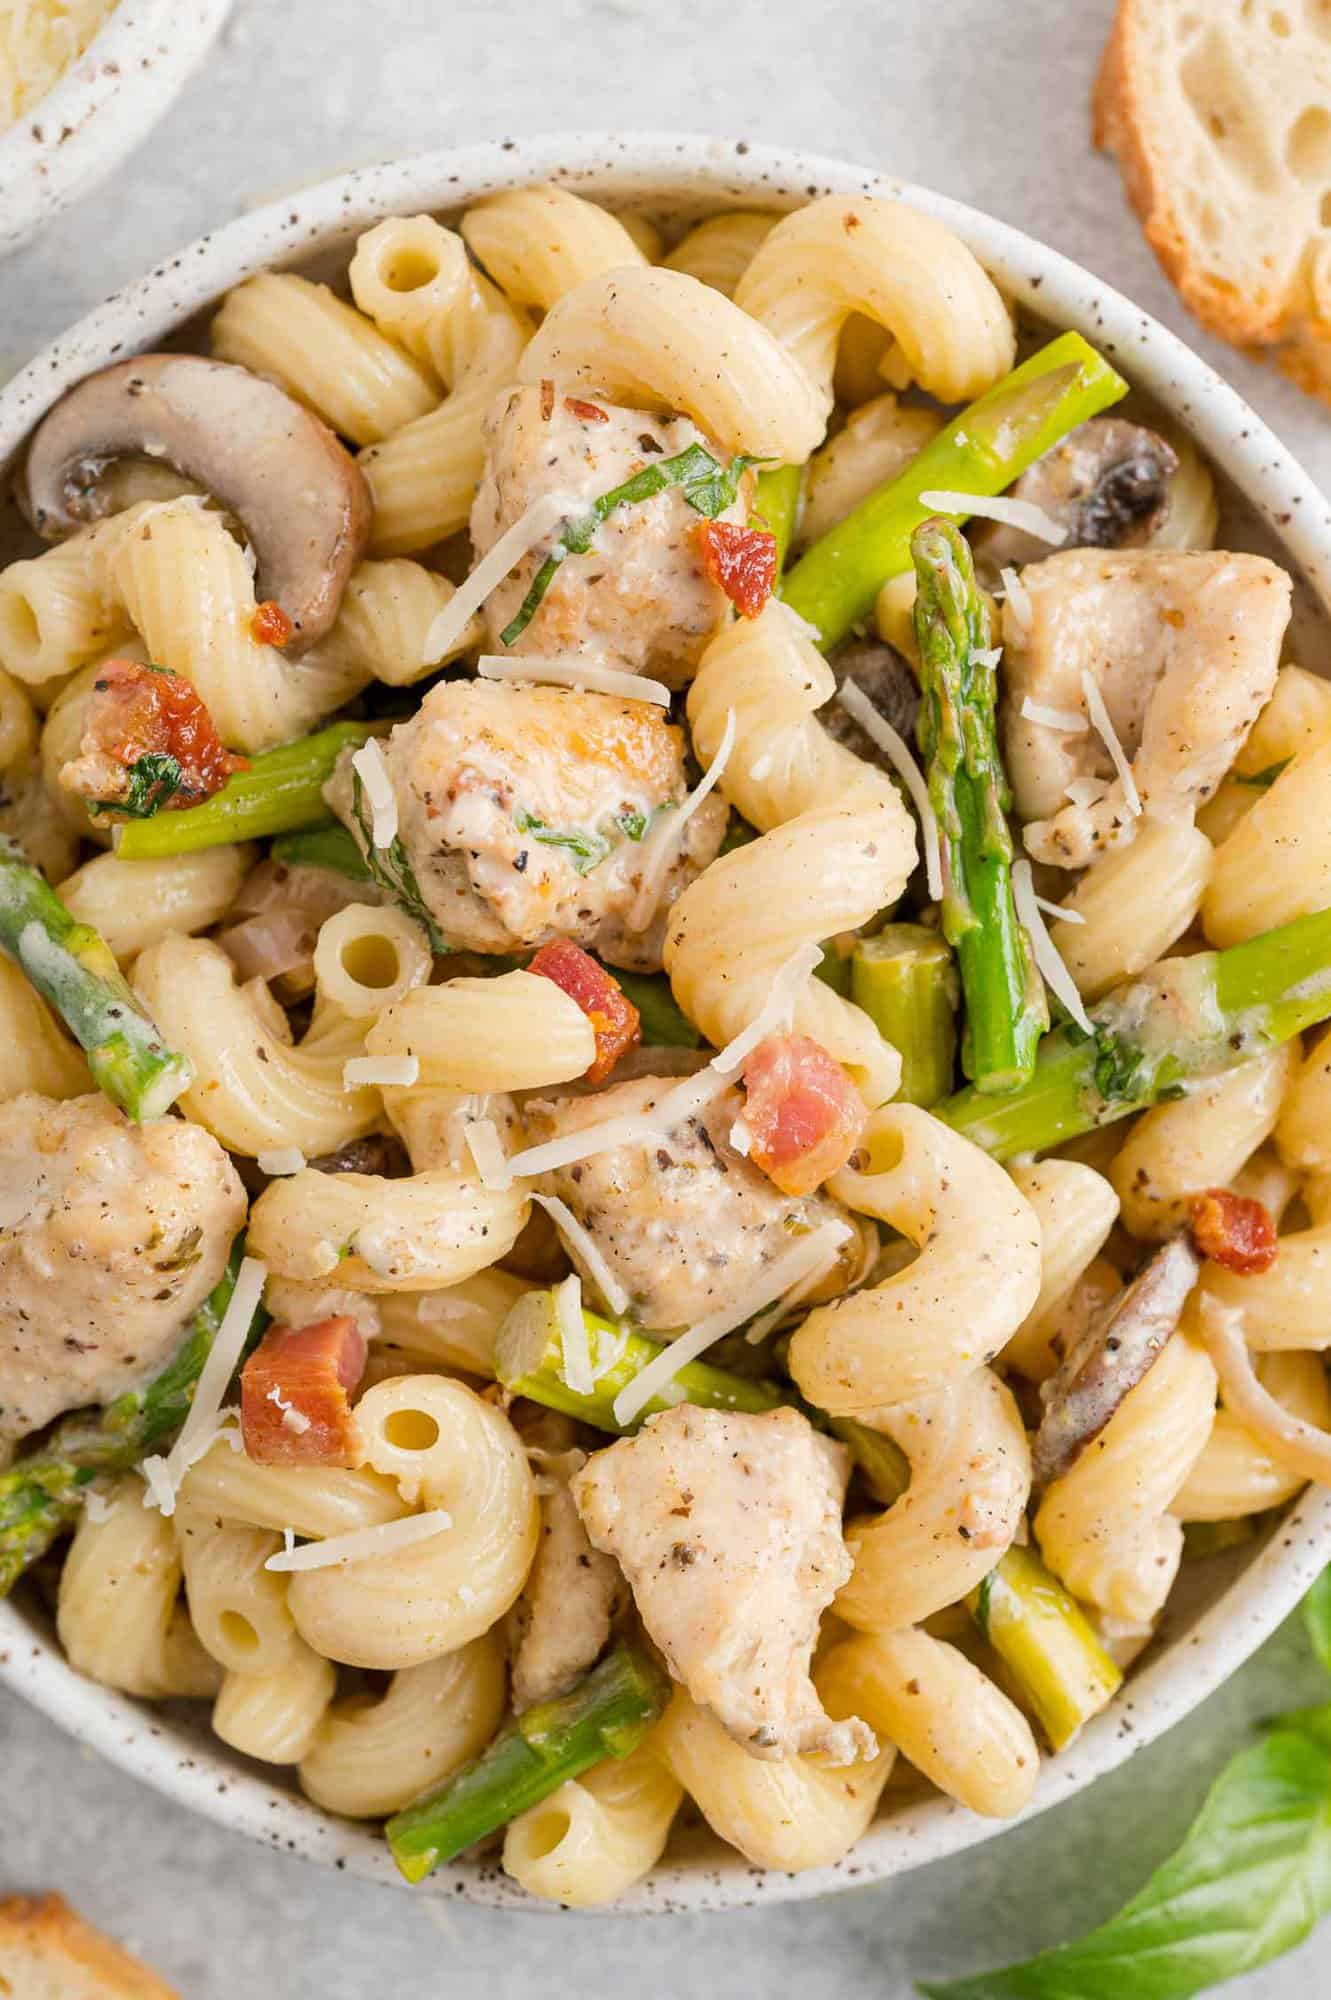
pixel 719 488
pixel 392 870
pixel 586 847
pixel 152 780
pixel 1252 1877
pixel 1263 780
pixel 1317 1618
pixel 631 822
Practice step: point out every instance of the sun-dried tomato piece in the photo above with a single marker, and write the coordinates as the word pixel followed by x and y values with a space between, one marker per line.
pixel 295 1389
pixel 742 561
pixel 802 1111
pixel 591 413
pixel 148 743
pixel 1234 1230
pixel 270 625
pixel 613 1016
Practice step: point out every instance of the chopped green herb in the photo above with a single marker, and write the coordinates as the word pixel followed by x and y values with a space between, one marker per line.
pixel 707 486
pixel 631 822
pixel 153 779
pixel 586 848
pixel 1263 780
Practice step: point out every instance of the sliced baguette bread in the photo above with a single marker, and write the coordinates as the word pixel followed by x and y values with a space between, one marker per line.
pixel 1219 112
pixel 47 1952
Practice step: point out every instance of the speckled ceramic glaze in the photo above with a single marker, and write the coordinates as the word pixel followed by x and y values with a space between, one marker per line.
pixel 1221 1611
pixel 104 105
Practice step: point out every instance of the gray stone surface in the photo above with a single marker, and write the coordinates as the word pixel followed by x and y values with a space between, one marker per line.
pixel 985 99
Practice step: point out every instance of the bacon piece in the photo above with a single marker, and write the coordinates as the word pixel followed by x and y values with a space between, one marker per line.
pixel 270 625
pixel 294 1391
pixel 613 1016
pixel 742 561
pixel 803 1113
pixel 591 413
pixel 148 743
pixel 1234 1230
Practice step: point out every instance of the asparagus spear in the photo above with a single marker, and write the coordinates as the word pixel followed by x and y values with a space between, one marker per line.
pixel 281 792
pixel 1046 1640
pixel 836 969
pixel 981 451
pixel 905 979
pixel 42 1495
pixel 1006 1012
pixel 330 847
pixel 75 969
pixel 1182 1020
pixel 777 505
pixel 606 1715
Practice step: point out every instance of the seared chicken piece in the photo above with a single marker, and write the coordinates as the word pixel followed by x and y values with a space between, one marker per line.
pixel 1184 650
pixel 728 1528
pixel 523 812
pixel 111 1235
pixel 684 1222
pixel 639 599
pixel 1108 483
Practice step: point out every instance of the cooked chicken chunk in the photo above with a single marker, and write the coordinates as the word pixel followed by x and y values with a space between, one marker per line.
pixel 640 598
pixel 728 1528
pixel 684 1222
pixel 1184 650
pixel 111 1235
pixel 523 810
pixel 1108 483
pixel 570 1598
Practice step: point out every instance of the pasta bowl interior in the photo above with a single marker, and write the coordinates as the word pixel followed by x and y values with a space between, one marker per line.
pixel 589 396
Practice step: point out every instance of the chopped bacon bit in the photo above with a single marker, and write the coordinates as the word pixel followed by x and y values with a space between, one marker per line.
pixel 802 1111
pixel 270 625
pixel 139 713
pixel 294 1394
pixel 547 399
pixel 742 561
pixel 1234 1230
pixel 591 413
pixel 613 1016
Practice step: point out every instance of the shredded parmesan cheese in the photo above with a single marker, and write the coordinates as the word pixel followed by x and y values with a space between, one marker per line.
pixel 571 671
pixel 98 1508
pixel 775 1283
pixel 385 1538
pixel 580 1244
pixel 741 1138
pixel 1070 720
pixel 577 1365
pixel 1019 600
pixel 765 1322
pixel 663 843
pixel 778 1011
pixel 369 766
pixel 203 1420
pixel 527 533
pixel 1023 514
pixel 386 1071
pixel 1055 974
pixel 282 1160
pixel 1057 910
pixel 880 731
pixel 1102 724
pixel 487 1150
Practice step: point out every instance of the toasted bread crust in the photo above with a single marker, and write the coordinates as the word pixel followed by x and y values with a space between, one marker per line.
pixel 47 1949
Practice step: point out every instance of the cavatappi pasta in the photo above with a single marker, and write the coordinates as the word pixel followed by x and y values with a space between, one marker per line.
pixel 563 955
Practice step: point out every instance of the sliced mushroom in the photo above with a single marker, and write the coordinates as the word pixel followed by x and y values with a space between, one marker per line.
pixel 379 1153
pixel 299 496
pixel 886 678
pixel 1107 483
pixel 1120 1344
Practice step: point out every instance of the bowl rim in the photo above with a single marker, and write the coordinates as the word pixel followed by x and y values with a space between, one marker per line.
pixel 672 171
pixel 102 107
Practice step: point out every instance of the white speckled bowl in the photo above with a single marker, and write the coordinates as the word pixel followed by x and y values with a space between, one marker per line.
pixel 104 105
pixel 1222 1611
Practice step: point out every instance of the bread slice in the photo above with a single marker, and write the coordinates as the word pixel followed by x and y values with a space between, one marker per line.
pixel 1220 114
pixel 47 1952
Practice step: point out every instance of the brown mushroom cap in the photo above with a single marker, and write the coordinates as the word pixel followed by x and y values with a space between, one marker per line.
pixel 1119 1346
pixel 299 496
pixel 1107 483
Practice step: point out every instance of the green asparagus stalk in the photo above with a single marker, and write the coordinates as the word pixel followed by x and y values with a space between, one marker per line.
pixel 606 1715
pixel 41 1496
pixel 664 1023
pixel 1047 1642
pixel 777 505
pixel 330 847
pixel 1006 1011
pixel 281 792
pixel 836 969
pixel 75 969
pixel 906 981
pixel 986 447
pixel 1182 1020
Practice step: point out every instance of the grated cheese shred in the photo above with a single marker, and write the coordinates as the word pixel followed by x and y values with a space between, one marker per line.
pixel 1052 969
pixel 1070 720
pixel 573 672
pixel 369 766
pixel 582 1245
pixel 388 1072
pixel 1103 725
pixel 1022 514
pixel 527 533
pixel 663 843
pixel 487 1151
pixel 880 731
pixel 577 1363
pixel 203 1420
pixel 385 1538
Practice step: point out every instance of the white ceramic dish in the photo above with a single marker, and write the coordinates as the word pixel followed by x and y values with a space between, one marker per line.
pixel 104 105
pixel 1222 1611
